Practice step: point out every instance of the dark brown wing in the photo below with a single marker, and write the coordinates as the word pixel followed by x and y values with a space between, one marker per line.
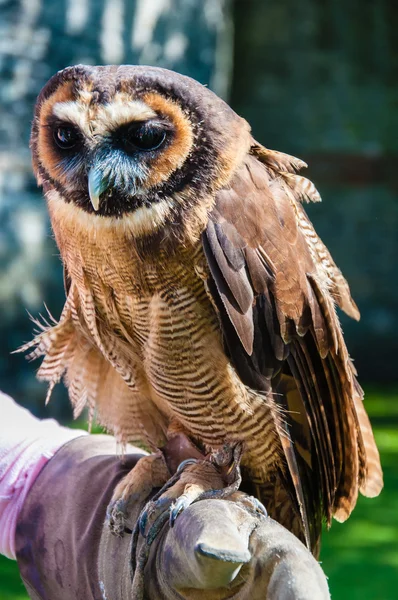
pixel 275 284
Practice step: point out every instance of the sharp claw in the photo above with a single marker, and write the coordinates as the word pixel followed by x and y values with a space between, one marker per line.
pixel 176 509
pixel 143 520
pixel 260 507
pixel 185 463
pixel 253 504
pixel 162 504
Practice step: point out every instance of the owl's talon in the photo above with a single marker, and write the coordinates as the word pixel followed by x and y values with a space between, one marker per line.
pixel 185 463
pixel 177 508
pixel 142 523
pixel 251 503
pixel 260 508
pixel 153 507
pixel 194 480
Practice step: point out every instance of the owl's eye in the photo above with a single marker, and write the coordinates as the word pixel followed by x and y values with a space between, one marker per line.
pixel 143 136
pixel 66 137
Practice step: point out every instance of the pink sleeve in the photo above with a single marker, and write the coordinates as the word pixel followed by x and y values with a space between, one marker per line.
pixel 26 445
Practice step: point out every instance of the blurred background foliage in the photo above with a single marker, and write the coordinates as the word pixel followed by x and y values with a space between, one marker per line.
pixel 316 78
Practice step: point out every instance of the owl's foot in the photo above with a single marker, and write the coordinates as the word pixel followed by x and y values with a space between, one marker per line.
pixel 193 479
pixel 150 472
pixel 218 476
pixel 227 459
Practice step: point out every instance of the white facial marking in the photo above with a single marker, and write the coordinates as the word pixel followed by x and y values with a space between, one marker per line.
pixel 100 119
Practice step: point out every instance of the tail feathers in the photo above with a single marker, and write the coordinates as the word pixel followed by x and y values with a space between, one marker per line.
pixel 371 481
pixel 294 476
pixel 362 469
pixel 276 497
pixel 356 458
pixel 299 478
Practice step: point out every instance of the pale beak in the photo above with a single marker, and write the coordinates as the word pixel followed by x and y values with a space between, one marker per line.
pixel 97 184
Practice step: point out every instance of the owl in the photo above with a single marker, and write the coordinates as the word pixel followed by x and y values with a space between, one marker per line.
pixel 199 297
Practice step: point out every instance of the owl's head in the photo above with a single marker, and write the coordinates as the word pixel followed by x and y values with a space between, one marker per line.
pixel 141 143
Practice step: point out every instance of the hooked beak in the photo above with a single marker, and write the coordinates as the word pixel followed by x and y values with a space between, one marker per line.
pixel 97 184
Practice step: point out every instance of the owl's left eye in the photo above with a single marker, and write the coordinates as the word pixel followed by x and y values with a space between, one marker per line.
pixel 66 137
pixel 143 136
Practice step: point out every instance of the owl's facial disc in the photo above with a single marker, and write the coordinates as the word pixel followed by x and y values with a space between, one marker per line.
pixel 122 164
pixel 139 144
pixel 115 157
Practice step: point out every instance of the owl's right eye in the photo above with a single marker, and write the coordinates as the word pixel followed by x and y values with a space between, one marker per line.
pixel 66 137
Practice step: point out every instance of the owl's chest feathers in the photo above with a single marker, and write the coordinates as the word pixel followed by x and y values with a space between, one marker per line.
pixel 158 304
pixel 160 296
pixel 160 310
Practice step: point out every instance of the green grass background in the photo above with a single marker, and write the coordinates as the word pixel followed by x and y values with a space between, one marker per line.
pixel 360 557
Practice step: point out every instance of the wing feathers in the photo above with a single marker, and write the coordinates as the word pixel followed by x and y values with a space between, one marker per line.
pixel 276 285
pixel 303 189
pixel 277 161
pixel 240 287
pixel 233 251
pixel 242 321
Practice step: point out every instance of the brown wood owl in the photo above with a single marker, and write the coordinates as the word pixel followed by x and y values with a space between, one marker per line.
pixel 198 293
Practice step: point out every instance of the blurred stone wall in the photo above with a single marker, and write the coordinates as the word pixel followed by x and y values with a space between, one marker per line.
pixel 37 38
pixel 318 79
